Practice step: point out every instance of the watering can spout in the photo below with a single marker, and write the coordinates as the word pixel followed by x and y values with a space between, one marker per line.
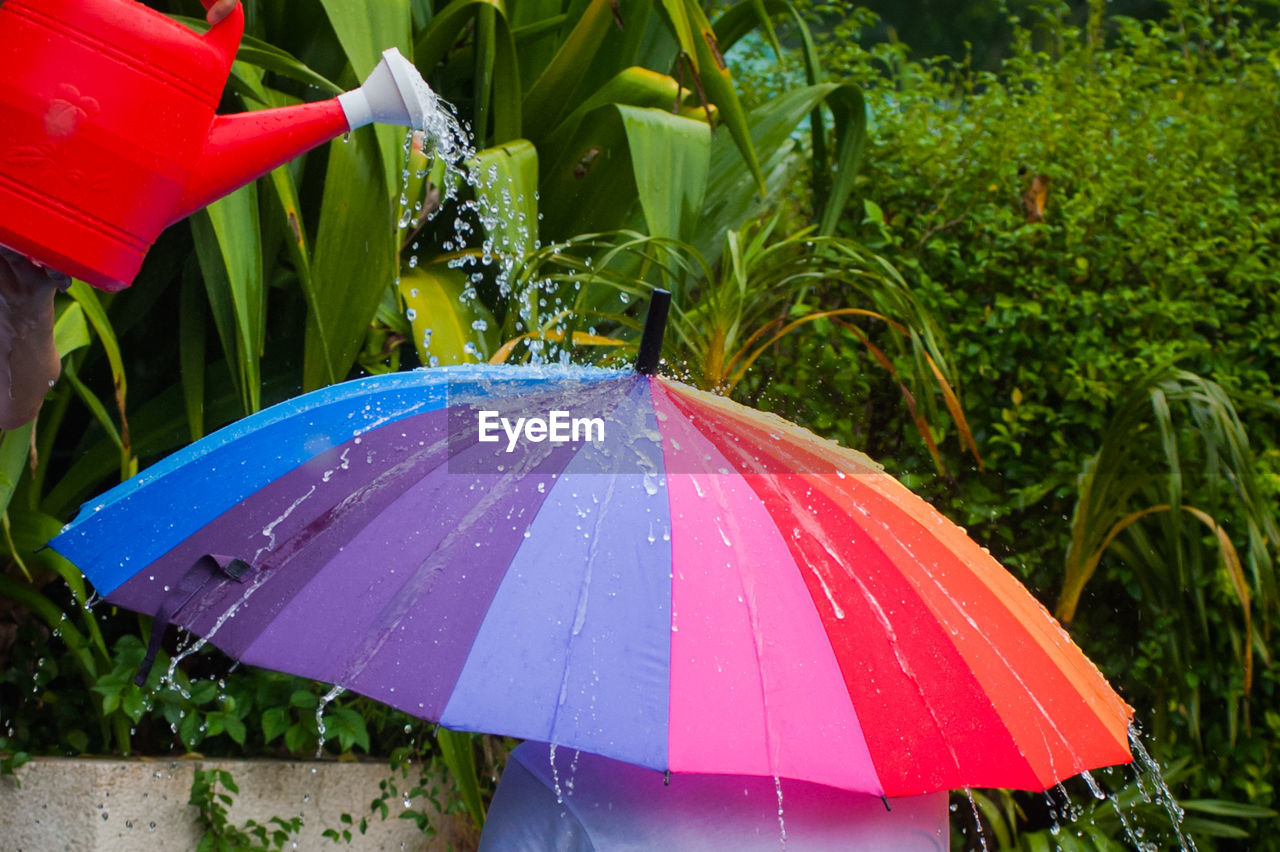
pixel 245 146
pixel 393 93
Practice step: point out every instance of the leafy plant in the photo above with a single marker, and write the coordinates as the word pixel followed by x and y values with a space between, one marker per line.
pixel 1097 206
pixel 218 833
pixel 764 288
pixel 1122 486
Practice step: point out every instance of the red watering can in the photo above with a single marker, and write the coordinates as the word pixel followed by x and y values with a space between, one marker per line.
pixel 108 132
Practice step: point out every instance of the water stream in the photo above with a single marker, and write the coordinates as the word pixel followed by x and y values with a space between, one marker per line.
pixel 1147 817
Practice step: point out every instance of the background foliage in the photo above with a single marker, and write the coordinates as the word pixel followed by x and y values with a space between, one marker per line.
pixel 1035 278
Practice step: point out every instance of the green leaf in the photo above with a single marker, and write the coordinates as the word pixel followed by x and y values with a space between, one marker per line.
pixel 350 728
pixel 271 58
pixel 296 738
pixel 669 159
pixel 304 699
pixel 731 196
pixel 1225 808
pixel 203 692
pixel 14 447
pixel 229 246
pixel 496 71
pixel 191 349
pixel 550 97
pixel 850 113
pixel 621 152
pixel 365 28
pixel 443 321
pixel 235 728
pixel 354 262
pixel 70 331
pixel 133 702
pixel 189 730
pixel 717 82
pixel 633 86
pixel 92 307
pixel 275 721
pixel 510 171
pixel 459 757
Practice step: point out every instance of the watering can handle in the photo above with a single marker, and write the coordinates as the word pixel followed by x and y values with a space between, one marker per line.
pixel 225 35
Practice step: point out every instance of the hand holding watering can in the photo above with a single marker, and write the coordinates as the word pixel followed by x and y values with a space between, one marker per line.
pixel 109 134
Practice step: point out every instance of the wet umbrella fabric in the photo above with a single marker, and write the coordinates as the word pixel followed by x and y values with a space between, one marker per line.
pixel 707 589
pixel 575 802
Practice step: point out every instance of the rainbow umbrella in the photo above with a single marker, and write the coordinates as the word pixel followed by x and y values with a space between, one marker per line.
pixel 644 571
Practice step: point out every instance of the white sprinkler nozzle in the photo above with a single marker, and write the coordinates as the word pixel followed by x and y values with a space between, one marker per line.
pixel 393 93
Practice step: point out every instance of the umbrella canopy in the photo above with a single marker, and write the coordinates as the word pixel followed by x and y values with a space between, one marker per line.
pixel 700 588
pixel 574 802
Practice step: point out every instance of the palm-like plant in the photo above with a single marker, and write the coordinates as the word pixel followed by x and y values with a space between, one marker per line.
pixel 1175 432
pixel 763 288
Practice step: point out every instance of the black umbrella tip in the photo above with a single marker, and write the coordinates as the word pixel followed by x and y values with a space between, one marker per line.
pixel 655 326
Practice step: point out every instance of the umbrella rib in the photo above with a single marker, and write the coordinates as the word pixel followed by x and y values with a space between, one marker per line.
pixel 580 611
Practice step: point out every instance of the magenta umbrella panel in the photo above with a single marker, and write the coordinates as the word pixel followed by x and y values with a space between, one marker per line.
pixel 573 801
pixel 614 562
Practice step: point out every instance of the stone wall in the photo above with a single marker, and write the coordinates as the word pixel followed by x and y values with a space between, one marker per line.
pixel 105 805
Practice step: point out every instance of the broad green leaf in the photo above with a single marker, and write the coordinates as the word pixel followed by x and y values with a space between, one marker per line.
pixel 850 113
pixel 533 24
pixel 434 42
pixel 484 48
pixel 509 191
pixel 731 196
pixel 275 721
pixel 191 349
pixel 14 447
pixel 282 182
pixel 669 158
pixel 684 26
pixel 549 98
pixel 70 331
pixel 229 247
pixel 354 260
pixel 1226 808
pixel 93 311
pixel 444 323
pixel 621 152
pixel 830 192
pixel 96 408
pixel 271 58
pixel 645 39
pixel 634 86
pixel 717 82
pixel 459 756
pixel 365 28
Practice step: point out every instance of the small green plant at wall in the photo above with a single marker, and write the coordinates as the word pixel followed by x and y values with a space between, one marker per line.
pixel 219 834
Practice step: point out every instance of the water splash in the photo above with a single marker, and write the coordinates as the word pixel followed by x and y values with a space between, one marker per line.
pixel 782 822
pixel 1145 764
pixel 977 820
pixel 325 701
pixel 555 777
pixel 1142 786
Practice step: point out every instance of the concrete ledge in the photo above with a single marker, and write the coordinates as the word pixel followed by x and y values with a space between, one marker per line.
pixel 137 804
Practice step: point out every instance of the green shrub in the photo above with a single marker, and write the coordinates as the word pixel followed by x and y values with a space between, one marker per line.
pixel 1101 206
